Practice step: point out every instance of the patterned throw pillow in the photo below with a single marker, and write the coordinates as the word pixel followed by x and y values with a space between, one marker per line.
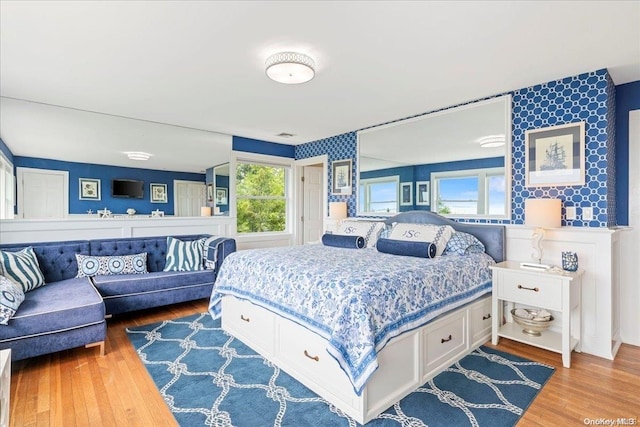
pixel 22 267
pixel 89 265
pixel 439 235
pixel 184 256
pixel 370 230
pixel 11 296
pixel 463 243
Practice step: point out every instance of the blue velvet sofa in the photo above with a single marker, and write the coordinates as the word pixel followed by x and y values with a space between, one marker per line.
pixel 70 312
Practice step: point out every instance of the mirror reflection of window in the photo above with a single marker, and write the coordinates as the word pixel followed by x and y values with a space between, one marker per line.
pixel 379 195
pixel 469 192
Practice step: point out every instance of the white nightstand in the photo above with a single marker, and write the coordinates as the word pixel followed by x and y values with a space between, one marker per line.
pixel 5 386
pixel 554 291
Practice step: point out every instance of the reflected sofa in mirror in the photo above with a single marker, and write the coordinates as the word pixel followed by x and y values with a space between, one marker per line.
pixel 457 162
pixel 221 189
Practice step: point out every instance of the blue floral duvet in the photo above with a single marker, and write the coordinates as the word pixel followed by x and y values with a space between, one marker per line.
pixel 357 299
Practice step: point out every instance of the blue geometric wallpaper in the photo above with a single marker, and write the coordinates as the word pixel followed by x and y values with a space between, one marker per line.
pixel 588 97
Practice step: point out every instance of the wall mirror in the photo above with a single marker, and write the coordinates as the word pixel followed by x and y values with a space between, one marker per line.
pixel 456 162
pixel 221 189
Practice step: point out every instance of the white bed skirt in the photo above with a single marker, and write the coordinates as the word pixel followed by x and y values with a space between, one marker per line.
pixel 406 363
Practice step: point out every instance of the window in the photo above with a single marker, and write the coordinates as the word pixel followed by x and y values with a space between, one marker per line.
pixel 261 197
pixel 379 195
pixel 7 189
pixel 478 192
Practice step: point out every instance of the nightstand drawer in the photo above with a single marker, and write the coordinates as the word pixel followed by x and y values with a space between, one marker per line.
pixel 535 290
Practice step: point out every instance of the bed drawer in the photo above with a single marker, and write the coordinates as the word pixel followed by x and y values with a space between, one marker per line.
pixel 249 323
pixel 480 321
pixel 444 341
pixel 306 352
pixel 531 290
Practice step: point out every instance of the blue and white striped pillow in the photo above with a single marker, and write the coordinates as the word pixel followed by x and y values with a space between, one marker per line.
pixel 184 256
pixel 22 267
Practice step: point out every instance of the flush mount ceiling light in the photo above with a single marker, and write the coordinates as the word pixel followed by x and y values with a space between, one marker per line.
pixel 491 141
pixel 138 155
pixel 290 67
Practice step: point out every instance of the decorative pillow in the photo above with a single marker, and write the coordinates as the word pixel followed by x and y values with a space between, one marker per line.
pixel 22 267
pixel 407 248
pixel 89 265
pixel 11 296
pixel 463 243
pixel 439 235
pixel 210 251
pixel 184 256
pixel 369 230
pixel 340 241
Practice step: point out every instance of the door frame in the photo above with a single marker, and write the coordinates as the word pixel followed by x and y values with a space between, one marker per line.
pixel 20 171
pixel 299 188
pixel 175 192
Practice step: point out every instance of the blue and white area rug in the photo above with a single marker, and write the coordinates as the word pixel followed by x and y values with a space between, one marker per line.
pixel 208 378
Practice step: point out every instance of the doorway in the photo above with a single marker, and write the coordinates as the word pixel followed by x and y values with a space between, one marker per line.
pixel 42 193
pixel 311 189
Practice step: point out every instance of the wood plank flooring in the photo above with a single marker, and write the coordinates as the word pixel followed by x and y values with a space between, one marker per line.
pixel 79 388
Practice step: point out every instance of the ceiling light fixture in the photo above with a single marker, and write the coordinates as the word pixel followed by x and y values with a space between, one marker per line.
pixel 138 155
pixel 491 141
pixel 290 67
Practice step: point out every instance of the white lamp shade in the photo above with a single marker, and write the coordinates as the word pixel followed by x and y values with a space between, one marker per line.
pixel 542 213
pixel 337 210
pixel 205 211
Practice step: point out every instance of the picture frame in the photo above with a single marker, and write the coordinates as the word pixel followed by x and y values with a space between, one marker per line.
pixel 341 181
pixel 555 156
pixel 89 189
pixel 422 193
pixel 406 193
pixel 210 192
pixel 158 193
pixel 221 196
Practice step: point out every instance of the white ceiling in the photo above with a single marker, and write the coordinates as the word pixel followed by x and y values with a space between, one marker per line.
pixel 199 66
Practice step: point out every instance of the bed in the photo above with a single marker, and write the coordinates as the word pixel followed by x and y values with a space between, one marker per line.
pixel 359 327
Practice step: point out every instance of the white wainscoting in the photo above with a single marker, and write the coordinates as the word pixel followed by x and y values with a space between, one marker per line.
pixel 83 228
pixel 599 256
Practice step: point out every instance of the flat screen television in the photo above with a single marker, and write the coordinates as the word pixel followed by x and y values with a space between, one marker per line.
pixel 127 188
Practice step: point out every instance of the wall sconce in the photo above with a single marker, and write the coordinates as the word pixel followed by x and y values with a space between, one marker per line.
pixel 337 210
pixel 541 214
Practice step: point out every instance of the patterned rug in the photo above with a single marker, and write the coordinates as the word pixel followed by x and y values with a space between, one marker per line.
pixel 208 378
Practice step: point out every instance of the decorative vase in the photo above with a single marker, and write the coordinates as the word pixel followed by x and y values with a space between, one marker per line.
pixel 569 261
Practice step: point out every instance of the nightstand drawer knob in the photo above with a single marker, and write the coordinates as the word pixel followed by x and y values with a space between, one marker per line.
pixel 444 340
pixel 487 316
pixel 528 289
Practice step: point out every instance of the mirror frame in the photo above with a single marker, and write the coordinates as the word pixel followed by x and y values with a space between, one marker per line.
pixel 507 99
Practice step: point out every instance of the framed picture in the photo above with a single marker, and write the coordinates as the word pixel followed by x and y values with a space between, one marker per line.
pixel 221 196
pixel 210 192
pixel 422 193
pixel 89 189
pixel 341 175
pixel 406 193
pixel 555 156
pixel 158 193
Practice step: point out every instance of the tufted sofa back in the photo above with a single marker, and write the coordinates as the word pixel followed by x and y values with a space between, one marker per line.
pixel 155 247
pixel 57 260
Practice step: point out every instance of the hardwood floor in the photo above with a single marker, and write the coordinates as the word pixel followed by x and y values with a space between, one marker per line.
pixel 79 388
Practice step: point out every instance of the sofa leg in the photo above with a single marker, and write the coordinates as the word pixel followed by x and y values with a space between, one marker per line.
pixel 100 343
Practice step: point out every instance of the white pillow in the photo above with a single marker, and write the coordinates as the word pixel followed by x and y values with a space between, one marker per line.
pixel 439 235
pixel 370 230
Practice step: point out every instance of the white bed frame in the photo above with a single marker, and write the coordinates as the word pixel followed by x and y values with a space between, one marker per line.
pixel 404 364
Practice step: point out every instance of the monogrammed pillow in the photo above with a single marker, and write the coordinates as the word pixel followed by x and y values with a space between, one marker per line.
pixel 439 235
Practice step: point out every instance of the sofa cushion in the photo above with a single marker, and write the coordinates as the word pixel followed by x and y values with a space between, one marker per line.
pixel 131 284
pixel 155 247
pixel 11 296
pixel 22 267
pixel 49 309
pixel 57 260
pixel 184 255
pixel 90 265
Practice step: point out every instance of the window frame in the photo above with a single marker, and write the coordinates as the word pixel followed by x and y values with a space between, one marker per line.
pixel 364 185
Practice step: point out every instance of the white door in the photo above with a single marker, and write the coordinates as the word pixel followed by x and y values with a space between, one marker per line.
pixel 312 204
pixel 42 194
pixel 630 243
pixel 189 197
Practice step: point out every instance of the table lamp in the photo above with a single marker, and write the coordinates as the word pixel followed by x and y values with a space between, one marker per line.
pixel 337 210
pixel 541 214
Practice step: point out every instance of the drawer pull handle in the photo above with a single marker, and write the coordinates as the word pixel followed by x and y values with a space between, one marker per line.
pixel 528 289
pixel 316 358
pixel 444 340
pixel 488 316
pixel 246 319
